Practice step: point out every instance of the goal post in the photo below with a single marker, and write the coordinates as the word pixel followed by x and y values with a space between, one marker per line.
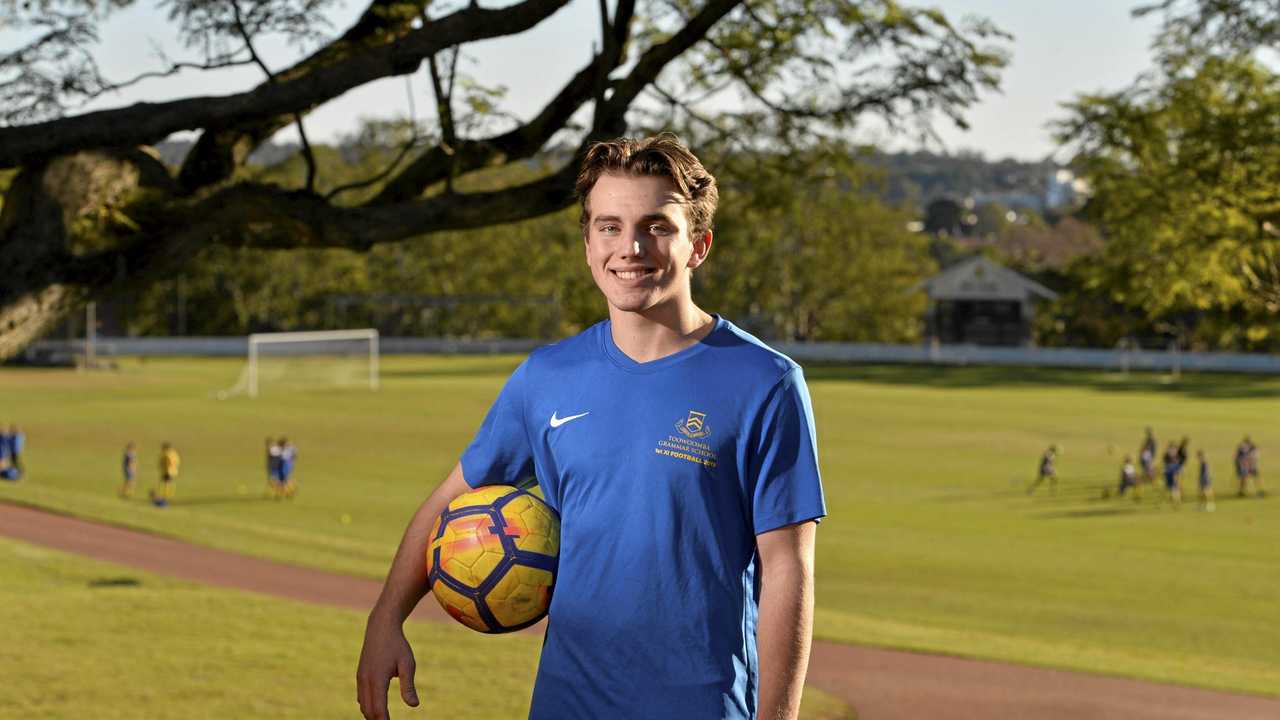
pixel 303 345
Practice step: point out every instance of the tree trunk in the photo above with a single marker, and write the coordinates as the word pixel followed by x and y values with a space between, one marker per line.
pixel 65 237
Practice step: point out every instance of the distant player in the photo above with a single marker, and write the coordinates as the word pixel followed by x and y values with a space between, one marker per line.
pixel 273 468
pixel 1171 470
pixel 1147 457
pixel 1255 470
pixel 16 442
pixel 6 470
pixel 1047 471
pixel 10 453
pixel 129 468
pixel 1206 483
pixel 1241 462
pixel 1129 478
pixel 288 459
pixel 169 463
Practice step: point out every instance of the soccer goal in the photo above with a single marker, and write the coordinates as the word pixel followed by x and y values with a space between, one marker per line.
pixel 308 360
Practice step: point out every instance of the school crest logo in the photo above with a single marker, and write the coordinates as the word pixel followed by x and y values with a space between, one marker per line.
pixel 694 426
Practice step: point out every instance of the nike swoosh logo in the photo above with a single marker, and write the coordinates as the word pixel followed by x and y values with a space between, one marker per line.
pixel 558 421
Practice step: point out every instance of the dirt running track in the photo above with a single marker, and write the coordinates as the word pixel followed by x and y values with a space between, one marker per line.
pixel 881 684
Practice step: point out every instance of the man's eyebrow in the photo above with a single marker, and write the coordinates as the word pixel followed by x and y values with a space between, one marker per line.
pixel 657 216
pixel 651 217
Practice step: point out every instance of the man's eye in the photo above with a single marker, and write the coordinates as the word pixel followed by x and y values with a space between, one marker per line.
pixel 609 229
pixel 659 229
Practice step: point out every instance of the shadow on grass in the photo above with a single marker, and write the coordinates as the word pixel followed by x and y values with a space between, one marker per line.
pixel 1088 513
pixel 1199 385
pixel 490 369
pixel 115 582
pixel 219 500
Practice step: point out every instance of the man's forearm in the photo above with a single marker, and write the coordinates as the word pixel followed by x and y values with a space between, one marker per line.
pixel 407 580
pixel 784 635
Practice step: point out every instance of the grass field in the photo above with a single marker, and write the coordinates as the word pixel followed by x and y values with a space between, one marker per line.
pixel 931 543
pixel 85 639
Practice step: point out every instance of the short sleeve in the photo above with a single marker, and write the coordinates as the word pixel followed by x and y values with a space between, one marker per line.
pixel 782 469
pixel 500 454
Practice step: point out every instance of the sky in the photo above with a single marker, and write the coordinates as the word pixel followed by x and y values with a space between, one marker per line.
pixel 1060 48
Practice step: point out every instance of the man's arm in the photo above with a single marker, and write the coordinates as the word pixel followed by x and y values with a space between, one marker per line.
pixel 786 618
pixel 386 652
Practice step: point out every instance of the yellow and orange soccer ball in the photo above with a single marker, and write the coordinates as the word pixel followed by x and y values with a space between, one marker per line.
pixel 492 559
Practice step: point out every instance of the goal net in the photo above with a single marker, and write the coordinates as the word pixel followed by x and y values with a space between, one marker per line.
pixel 308 360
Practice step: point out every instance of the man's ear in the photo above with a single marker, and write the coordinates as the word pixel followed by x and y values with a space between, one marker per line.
pixel 701 248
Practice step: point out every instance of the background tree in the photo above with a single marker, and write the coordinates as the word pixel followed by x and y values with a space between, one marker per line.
pixel 89 209
pixel 1185 173
pixel 805 250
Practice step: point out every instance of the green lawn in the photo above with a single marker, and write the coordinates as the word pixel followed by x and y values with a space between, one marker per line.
pixel 931 543
pixel 85 639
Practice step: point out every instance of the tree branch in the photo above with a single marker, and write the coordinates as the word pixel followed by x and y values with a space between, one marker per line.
pixel 267 216
pixel 146 123
pixel 522 142
pixel 257 60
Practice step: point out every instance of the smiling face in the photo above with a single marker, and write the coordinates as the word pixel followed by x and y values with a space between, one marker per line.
pixel 638 243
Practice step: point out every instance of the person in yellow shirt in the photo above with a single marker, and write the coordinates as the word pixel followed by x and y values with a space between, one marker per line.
pixel 169 462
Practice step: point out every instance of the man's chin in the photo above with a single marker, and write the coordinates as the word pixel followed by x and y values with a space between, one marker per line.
pixel 633 304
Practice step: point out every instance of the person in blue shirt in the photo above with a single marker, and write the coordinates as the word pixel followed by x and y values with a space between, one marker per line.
pixel 681 455
pixel 273 468
pixel 1172 472
pixel 129 468
pixel 7 470
pixel 288 458
pixel 1206 483
pixel 11 447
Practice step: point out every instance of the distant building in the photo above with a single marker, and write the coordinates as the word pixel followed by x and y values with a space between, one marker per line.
pixel 980 302
pixel 1064 189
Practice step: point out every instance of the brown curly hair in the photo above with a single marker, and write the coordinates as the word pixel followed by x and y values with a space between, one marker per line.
pixel 661 155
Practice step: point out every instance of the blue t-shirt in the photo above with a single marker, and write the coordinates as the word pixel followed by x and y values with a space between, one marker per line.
pixel 663 474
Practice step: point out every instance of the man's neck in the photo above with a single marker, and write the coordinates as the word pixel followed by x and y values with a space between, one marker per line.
pixel 660 331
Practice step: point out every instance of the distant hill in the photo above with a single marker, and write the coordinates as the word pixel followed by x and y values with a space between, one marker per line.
pixel 919 178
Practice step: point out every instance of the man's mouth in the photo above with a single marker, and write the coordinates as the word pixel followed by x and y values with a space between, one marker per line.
pixel 633 274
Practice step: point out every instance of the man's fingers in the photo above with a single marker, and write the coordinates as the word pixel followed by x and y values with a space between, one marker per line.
pixel 373 697
pixel 405 670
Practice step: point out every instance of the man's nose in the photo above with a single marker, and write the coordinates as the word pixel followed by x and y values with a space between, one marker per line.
pixel 638 245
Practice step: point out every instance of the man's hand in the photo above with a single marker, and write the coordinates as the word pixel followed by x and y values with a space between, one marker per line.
pixel 386 653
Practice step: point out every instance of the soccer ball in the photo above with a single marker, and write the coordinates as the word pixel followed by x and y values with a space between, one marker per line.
pixel 492 559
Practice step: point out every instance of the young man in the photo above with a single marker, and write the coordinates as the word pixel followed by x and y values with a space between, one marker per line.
pixel 680 453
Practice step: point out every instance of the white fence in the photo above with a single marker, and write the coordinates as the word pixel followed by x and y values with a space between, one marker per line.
pixel 853 353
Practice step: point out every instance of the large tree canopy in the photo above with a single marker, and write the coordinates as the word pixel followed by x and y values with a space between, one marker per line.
pixel 1185 170
pixel 90 207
